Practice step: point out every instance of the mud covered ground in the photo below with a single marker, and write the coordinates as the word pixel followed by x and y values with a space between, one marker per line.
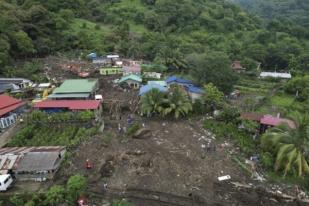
pixel 169 167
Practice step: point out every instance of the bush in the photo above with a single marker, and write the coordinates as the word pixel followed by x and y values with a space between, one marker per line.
pixel 229 114
pixel 267 160
pixel 121 203
pixel 76 185
pixel 133 129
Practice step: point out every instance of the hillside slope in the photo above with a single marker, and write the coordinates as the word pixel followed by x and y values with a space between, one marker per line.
pixel 294 10
pixel 165 31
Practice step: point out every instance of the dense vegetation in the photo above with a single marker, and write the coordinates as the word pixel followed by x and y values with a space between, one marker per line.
pixel 164 31
pixel 56 195
pixel 295 11
pixel 67 130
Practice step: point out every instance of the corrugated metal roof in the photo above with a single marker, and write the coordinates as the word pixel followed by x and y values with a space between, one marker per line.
pixel 276 75
pixel 130 77
pixel 8 104
pixel 145 89
pixel 73 95
pixel 12 157
pixel 194 89
pixel 174 79
pixel 275 121
pixel 69 104
pixel 161 83
pixel 39 161
pixel 77 86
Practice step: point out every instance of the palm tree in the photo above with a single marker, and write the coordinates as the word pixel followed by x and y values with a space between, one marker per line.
pixel 291 146
pixel 152 102
pixel 179 103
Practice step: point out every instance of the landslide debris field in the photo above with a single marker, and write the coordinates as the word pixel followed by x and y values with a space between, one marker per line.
pixel 165 165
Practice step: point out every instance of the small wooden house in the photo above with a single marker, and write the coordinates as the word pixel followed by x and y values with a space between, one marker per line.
pixel 132 80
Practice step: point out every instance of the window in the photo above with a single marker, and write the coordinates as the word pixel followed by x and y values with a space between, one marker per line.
pixel 7 179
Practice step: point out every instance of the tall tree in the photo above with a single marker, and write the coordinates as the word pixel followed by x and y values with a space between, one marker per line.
pixel 290 146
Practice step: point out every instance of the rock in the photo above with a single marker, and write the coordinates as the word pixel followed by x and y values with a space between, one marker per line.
pixel 142 133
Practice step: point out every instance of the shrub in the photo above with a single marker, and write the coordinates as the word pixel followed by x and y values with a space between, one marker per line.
pixel 76 185
pixel 133 129
pixel 267 160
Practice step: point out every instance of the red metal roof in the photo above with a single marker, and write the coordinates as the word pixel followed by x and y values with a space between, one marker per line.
pixel 8 104
pixel 69 104
pixel 275 121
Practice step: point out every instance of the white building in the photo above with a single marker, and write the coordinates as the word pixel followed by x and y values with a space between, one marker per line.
pixel 276 75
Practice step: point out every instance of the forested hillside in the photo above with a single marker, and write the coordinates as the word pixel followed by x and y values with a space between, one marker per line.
pixel 293 10
pixel 166 31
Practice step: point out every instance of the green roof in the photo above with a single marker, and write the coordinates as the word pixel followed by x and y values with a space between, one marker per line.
pixel 132 77
pixel 77 86
pixel 73 95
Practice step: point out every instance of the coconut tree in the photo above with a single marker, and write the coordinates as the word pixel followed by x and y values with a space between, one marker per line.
pixel 179 103
pixel 290 146
pixel 152 102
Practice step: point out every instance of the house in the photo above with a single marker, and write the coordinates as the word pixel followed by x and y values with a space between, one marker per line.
pixel 41 86
pixel 154 75
pixel 175 80
pixel 111 70
pixel 31 163
pixel 75 89
pixel 268 121
pixel 8 87
pixel 102 61
pixel 70 105
pixel 275 75
pixel 15 84
pixel 133 69
pixel 145 89
pixel 130 62
pixel 194 92
pixel 236 66
pixel 132 80
pixel 10 108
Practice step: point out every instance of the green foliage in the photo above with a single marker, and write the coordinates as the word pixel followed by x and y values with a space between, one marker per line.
pixel 55 195
pixel 133 129
pixel 164 31
pixel 62 132
pixel 121 203
pixel 154 68
pixel 17 200
pixel 175 103
pixel 267 160
pixel 289 146
pixel 76 185
pixel 210 67
pixel 213 97
pixel 229 114
pixel 299 85
pixel 229 130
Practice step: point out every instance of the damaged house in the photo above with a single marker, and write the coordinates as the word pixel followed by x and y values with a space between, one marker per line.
pixel 31 163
